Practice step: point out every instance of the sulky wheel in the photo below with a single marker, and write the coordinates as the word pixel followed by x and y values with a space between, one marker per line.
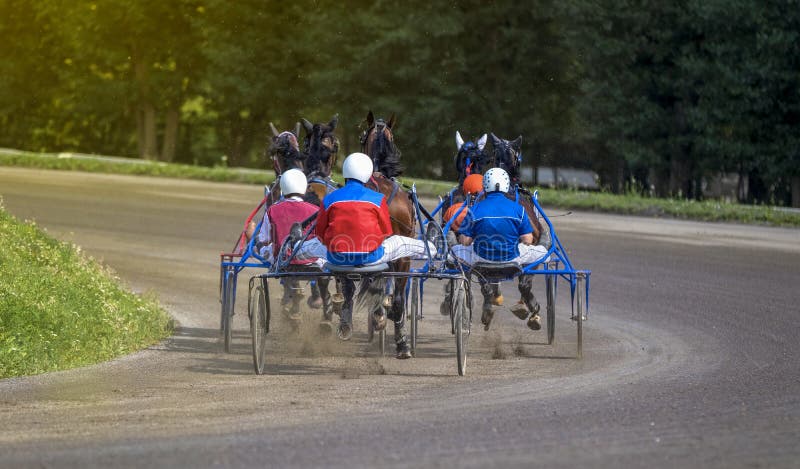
pixel 415 312
pixel 461 324
pixel 259 313
pixel 550 286
pixel 228 292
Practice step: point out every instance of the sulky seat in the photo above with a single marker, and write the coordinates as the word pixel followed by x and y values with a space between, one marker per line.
pixel 357 269
pixel 496 271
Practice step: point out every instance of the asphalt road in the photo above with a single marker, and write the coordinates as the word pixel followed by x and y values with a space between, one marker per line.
pixel 690 354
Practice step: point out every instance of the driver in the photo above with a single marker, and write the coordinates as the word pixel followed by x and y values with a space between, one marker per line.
pixel 276 226
pixel 497 229
pixel 354 228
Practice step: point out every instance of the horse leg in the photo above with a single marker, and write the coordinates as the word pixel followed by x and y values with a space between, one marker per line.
pixel 325 297
pixel 346 319
pixel 528 302
pixel 398 311
pixel 490 291
pixel 315 300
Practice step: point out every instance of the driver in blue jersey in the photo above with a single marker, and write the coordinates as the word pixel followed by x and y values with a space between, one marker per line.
pixel 497 229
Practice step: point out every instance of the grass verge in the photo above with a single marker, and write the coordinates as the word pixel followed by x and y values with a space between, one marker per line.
pixel 631 204
pixel 60 309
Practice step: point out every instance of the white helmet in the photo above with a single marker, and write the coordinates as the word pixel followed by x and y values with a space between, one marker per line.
pixel 293 181
pixel 357 166
pixel 496 179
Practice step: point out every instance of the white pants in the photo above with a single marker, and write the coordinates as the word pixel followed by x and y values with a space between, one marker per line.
pixel 266 253
pixel 394 247
pixel 528 254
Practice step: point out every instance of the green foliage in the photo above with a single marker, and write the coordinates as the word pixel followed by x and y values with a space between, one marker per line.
pixel 662 93
pixel 678 91
pixel 59 309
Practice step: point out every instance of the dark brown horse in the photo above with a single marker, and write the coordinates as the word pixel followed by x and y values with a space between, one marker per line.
pixel 320 148
pixel 377 142
pixel 507 154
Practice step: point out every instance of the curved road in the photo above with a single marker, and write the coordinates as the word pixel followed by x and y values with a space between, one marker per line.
pixel 690 354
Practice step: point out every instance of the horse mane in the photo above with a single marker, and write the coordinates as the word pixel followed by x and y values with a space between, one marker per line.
pixel 385 155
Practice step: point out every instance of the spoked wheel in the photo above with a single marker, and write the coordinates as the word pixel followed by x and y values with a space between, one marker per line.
pixel 228 292
pixel 550 283
pixel 259 313
pixel 461 324
pixel 414 312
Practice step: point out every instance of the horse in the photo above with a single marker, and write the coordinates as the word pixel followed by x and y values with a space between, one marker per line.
pixel 320 148
pixel 377 142
pixel 507 154
pixel 285 154
pixel 470 157
pixel 284 151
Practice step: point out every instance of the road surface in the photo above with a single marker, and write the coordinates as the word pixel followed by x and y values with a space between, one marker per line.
pixel 690 354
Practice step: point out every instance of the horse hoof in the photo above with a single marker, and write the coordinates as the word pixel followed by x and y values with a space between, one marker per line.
pixel 520 310
pixel 315 302
pixel 403 351
pixel 378 322
pixel 344 332
pixel 325 328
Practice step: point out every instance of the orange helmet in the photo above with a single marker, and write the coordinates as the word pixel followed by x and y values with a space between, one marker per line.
pixel 473 184
pixel 451 212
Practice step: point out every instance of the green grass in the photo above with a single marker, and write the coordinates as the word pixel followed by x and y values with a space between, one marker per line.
pixel 710 210
pixel 60 309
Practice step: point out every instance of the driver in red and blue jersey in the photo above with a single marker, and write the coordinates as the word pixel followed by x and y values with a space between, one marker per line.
pixel 354 228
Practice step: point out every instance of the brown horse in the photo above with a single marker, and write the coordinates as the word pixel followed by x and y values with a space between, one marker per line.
pixel 285 154
pixel 377 141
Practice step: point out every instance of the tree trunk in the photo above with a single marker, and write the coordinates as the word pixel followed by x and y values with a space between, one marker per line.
pixel 140 131
pixel 150 137
pixel 146 115
pixel 796 191
pixel 170 135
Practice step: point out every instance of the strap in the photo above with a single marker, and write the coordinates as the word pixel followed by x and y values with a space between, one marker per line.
pixel 395 188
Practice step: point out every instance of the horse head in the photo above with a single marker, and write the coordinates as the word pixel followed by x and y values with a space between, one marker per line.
pixel 320 147
pixel 284 150
pixel 470 158
pixel 377 141
pixel 508 155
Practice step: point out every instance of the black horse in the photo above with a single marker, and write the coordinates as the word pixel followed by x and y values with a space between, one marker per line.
pixel 507 154
pixel 320 149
